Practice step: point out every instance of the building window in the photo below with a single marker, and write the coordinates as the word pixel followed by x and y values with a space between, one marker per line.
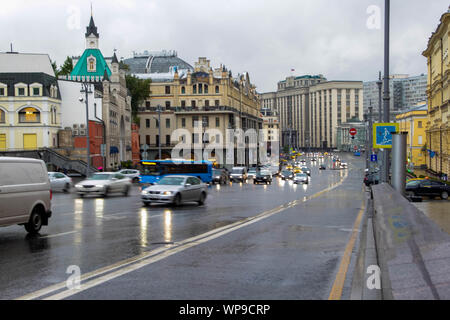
pixel 147 123
pixel 206 103
pixel 420 125
pixel 167 140
pixel 157 140
pixel 91 64
pixel 167 89
pixel 147 104
pixel 147 140
pixel 217 103
pixel 36 92
pixel 183 103
pixel 2 92
pixel 183 90
pixel 206 88
pixel 193 103
pixel 2 116
pixel 21 91
pixel 217 122
pixel 195 137
pixel 194 89
pixel 167 123
pixel 200 88
pixel 420 142
pixel 217 138
pixel 29 115
pixel 183 122
pixel 194 121
pixel 217 89
pixel 157 123
pixel 205 121
pixel 167 104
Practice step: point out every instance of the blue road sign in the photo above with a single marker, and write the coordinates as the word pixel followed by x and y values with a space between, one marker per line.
pixel 382 134
pixel 373 158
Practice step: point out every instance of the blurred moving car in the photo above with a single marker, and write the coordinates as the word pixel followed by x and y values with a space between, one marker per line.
pixel 263 176
pixel 297 170
pixel 274 170
pixel 239 174
pixel 322 167
pixel 175 190
pixel 251 173
pixel 286 175
pixel 344 165
pixel 60 182
pixel 428 188
pixel 220 176
pixel 306 170
pixel 134 175
pixel 25 193
pixel 301 178
pixel 104 183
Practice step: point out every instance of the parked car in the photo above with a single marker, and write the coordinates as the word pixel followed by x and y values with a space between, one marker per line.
pixel 60 182
pixel 286 175
pixel 344 165
pixel 263 176
pixel 134 175
pixel 239 174
pixel 371 179
pixel 251 173
pixel 301 178
pixel 322 167
pixel 25 193
pixel 175 190
pixel 220 176
pixel 104 183
pixel 428 188
pixel 306 170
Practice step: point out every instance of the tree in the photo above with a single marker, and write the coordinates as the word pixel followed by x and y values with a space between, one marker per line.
pixel 139 90
pixel 55 69
pixel 67 67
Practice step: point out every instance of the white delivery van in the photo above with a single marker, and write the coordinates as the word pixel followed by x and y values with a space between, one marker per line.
pixel 25 193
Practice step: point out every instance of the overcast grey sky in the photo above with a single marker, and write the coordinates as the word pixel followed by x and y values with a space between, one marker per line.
pixel 266 38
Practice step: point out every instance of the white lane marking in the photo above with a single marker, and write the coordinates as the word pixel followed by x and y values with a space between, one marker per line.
pixel 132 264
pixel 58 234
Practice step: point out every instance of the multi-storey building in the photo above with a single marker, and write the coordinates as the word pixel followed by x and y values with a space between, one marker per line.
pixel 414 122
pixel 310 108
pixel 271 128
pixel 405 91
pixel 438 92
pixel 30 102
pixel 192 98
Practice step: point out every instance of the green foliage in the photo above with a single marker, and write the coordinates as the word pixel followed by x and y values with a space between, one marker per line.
pixel 67 67
pixel 55 68
pixel 139 90
pixel 126 164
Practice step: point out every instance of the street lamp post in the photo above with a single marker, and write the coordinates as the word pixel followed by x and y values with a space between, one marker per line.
pixel 386 98
pixel 159 109
pixel 86 88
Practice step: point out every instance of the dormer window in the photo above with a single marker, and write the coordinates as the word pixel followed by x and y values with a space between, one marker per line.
pixel 36 89
pixel 3 90
pixel 91 64
pixel 21 89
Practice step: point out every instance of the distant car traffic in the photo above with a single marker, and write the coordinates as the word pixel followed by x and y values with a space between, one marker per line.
pixel 286 175
pixel 175 190
pixel 220 176
pixel 239 174
pixel 322 167
pixel 371 178
pixel 104 183
pixel 428 188
pixel 301 178
pixel 306 170
pixel 251 173
pixel 60 182
pixel 263 176
pixel 344 165
pixel 134 175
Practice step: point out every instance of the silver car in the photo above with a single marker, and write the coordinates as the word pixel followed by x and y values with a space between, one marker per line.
pixel 104 183
pixel 60 182
pixel 134 175
pixel 175 190
pixel 301 178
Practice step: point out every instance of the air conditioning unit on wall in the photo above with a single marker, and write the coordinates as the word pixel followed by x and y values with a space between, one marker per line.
pixel 82 132
pixel 75 132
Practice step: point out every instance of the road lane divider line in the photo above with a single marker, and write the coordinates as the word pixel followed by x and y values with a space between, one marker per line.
pixel 338 285
pixel 57 234
pixel 120 268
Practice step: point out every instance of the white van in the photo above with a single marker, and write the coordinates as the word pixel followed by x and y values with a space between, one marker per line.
pixel 25 193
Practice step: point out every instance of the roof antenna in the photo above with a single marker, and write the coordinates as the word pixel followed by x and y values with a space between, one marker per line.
pixel 91 8
pixel 11 47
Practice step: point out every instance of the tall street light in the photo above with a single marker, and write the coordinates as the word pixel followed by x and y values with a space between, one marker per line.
pixel 386 98
pixel 159 109
pixel 86 88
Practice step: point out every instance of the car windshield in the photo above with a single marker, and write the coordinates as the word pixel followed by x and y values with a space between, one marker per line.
pixel 305 168
pixel 286 173
pixel 171 181
pixel 301 175
pixel 217 172
pixel 252 170
pixel 101 177
pixel 265 173
pixel 239 171
pixel 413 183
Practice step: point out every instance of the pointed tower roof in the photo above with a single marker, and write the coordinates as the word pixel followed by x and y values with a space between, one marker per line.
pixel 91 29
pixel 105 76
pixel 114 58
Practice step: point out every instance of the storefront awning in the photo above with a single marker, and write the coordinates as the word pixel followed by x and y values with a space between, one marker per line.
pixel 113 150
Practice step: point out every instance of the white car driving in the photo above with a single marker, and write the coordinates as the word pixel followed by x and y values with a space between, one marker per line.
pixel 175 190
pixel 134 175
pixel 60 182
pixel 104 183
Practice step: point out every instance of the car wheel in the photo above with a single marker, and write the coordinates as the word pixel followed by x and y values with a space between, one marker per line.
pixel 106 193
pixel 135 180
pixel 81 195
pixel 66 188
pixel 177 200
pixel 410 194
pixel 126 191
pixel 444 195
pixel 35 223
pixel 201 201
pixel 146 204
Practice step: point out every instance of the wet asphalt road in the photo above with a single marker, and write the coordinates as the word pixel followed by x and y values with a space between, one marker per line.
pixel 291 253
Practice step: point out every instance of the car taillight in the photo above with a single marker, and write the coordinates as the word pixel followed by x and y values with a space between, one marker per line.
pixel 51 195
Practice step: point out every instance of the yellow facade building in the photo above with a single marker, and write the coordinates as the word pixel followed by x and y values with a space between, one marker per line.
pixel 438 92
pixel 414 122
pixel 30 102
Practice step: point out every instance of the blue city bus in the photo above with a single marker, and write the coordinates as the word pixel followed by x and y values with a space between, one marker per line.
pixel 154 170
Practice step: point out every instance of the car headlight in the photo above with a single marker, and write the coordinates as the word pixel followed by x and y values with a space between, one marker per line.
pixel 99 186
pixel 78 186
pixel 167 193
pixel 144 192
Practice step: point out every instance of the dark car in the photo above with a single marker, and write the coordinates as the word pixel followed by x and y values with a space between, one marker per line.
pixel 322 167
pixel 263 176
pixel 286 175
pixel 371 178
pixel 220 176
pixel 428 188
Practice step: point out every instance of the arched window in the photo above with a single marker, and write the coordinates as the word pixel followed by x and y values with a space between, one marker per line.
pixel 183 90
pixel 217 89
pixel 194 89
pixel 29 115
pixel 91 64
pixel 2 116
pixel 206 88
pixel 200 88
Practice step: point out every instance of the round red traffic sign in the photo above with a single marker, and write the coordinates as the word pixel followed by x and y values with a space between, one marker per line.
pixel 353 131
